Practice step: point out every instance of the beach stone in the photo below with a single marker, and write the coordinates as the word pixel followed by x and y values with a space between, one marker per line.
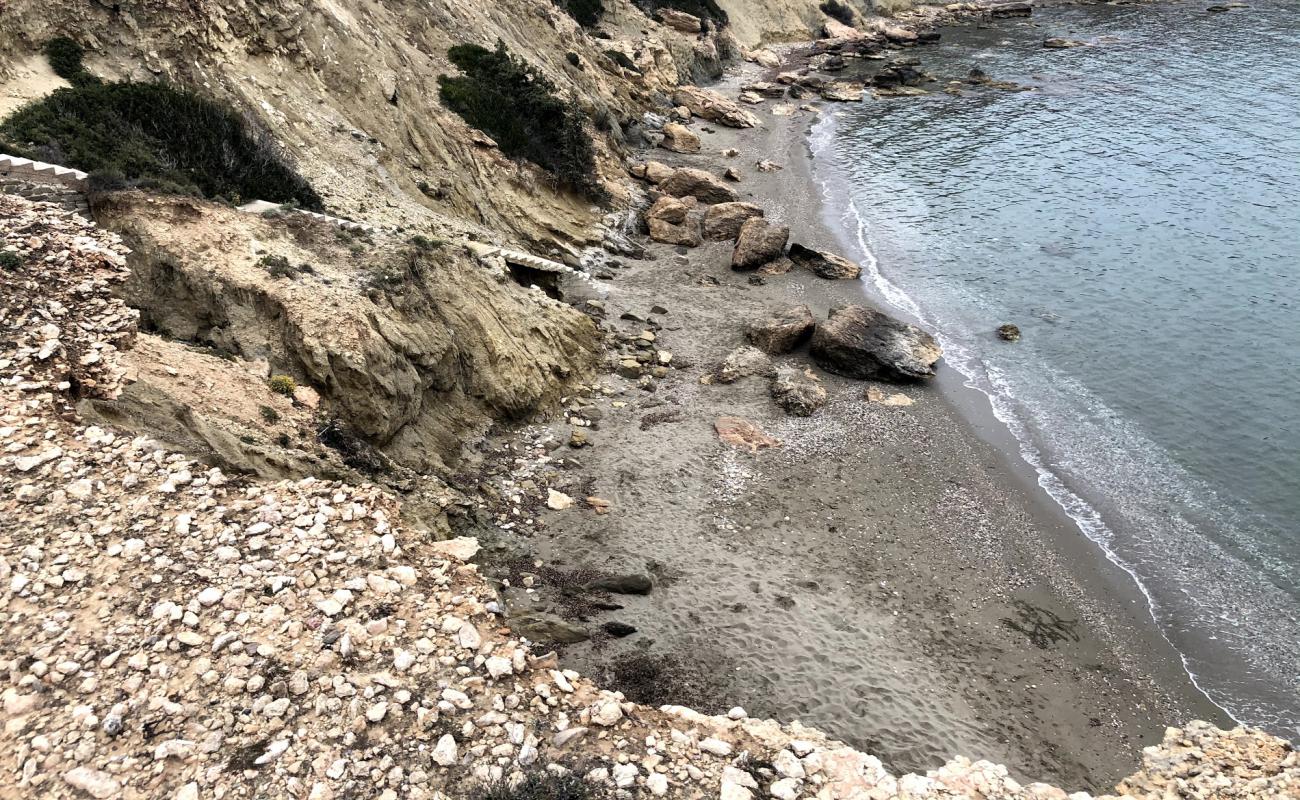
pixel 703 186
pixel 679 139
pixel 860 342
pixel 708 104
pixel 824 264
pixel 618 629
pixel 623 584
pixel 743 433
pixel 743 362
pixel 724 220
pixel 445 752
pixel 842 92
pixel 798 392
pixel 759 242
pixel 782 332
pixel 547 628
pixel 558 501
pixel 1060 43
pixel 652 171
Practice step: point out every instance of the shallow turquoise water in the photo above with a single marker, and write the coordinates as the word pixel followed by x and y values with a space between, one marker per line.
pixel 1138 216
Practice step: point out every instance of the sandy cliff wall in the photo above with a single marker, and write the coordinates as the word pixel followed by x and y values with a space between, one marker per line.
pixel 351 89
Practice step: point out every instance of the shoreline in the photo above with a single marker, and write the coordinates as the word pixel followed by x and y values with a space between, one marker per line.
pixel 936 570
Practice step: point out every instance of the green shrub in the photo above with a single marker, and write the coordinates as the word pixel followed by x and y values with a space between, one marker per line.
pixel 425 244
pixel 157 136
pixel 518 107
pixel 586 12
pixel 270 415
pixel 282 384
pixel 10 260
pixel 65 57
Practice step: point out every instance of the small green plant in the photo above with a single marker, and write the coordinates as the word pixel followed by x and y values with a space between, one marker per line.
pixel 704 9
pixel 505 97
pixel 269 414
pixel 425 244
pixel 277 266
pixel 282 384
pixel 10 261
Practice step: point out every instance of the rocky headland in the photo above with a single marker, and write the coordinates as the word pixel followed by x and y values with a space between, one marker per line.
pixel 473 487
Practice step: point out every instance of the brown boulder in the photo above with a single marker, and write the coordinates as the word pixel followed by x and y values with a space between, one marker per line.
pixel 861 342
pixel 671 221
pixel 704 186
pixel 714 107
pixel 759 242
pixel 723 221
pixel 679 139
pixel 783 331
pixel 743 362
pixel 670 209
pixel 743 433
pixel 823 264
pixel 652 171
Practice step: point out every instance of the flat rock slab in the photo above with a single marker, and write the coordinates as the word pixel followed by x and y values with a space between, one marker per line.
pixel 861 342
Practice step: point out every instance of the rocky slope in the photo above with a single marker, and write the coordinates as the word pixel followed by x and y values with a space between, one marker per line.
pixel 173 631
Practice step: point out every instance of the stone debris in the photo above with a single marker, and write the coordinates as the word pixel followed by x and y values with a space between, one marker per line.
pixel 173 631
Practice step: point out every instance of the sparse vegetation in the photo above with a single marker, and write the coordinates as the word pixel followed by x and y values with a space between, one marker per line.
pixel 424 244
pixel 282 384
pixel 10 260
pixel 586 12
pixel 150 134
pixel 540 785
pixel 270 415
pixel 277 266
pixel 517 106
pixel 838 10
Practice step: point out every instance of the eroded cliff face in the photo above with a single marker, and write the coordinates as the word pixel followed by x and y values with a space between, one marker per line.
pixel 414 348
pixel 351 89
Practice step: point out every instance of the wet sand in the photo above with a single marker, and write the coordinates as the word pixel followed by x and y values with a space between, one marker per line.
pixel 890 575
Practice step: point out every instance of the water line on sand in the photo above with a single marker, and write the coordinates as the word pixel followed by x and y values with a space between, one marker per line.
pixel 998 392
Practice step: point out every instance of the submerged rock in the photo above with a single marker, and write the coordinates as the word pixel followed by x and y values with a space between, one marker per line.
pixel 783 331
pixel 799 392
pixel 1058 43
pixel 1009 332
pixel 861 342
pixel 759 242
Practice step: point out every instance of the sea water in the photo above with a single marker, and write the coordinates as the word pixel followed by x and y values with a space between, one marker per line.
pixel 1137 215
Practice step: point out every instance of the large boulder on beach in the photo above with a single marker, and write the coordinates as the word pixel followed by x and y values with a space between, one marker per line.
pixel 679 139
pixel 783 331
pixel 710 105
pixel 861 342
pixel 674 221
pixel 743 362
pixel 759 242
pixel 703 186
pixel 653 171
pixel 724 220
pixel 798 391
pixel 823 264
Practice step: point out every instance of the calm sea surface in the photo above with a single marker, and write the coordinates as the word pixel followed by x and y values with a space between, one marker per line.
pixel 1138 216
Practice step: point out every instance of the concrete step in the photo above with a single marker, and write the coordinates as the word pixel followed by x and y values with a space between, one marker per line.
pixel 39 171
